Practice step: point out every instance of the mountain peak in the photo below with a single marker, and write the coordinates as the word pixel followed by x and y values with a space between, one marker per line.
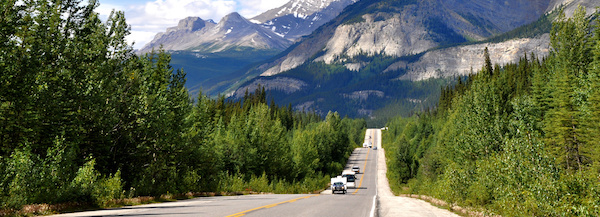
pixel 300 17
pixel 232 31
pixel 191 24
pixel 234 17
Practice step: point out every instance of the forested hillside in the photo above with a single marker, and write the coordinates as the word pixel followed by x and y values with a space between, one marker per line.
pixel 83 119
pixel 513 140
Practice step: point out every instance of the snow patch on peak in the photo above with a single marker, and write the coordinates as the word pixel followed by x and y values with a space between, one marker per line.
pixel 279 34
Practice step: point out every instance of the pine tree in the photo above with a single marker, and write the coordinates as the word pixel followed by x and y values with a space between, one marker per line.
pixel 488 63
pixel 592 123
pixel 571 54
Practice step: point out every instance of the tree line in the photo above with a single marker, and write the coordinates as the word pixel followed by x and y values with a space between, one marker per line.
pixel 85 119
pixel 513 140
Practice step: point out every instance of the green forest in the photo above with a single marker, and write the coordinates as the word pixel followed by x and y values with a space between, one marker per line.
pixel 84 119
pixel 515 140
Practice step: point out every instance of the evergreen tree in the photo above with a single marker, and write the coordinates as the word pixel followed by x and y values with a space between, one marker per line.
pixel 570 41
pixel 487 63
pixel 592 121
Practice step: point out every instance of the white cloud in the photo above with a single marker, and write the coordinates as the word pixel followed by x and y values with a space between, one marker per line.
pixel 105 9
pixel 154 16
pixel 140 38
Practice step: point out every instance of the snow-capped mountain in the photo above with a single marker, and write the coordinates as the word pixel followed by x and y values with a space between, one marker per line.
pixel 301 17
pixel 232 32
pixel 275 29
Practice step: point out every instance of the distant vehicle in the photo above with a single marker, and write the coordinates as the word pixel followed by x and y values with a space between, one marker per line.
pixel 350 178
pixel 356 169
pixel 375 148
pixel 367 145
pixel 339 184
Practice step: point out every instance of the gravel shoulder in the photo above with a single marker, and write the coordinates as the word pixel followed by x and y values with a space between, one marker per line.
pixel 391 205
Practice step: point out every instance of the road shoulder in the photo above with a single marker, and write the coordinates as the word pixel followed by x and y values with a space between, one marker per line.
pixel 391 205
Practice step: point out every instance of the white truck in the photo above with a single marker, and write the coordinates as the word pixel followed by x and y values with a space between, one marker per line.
pixel 339 184
pixel 350 178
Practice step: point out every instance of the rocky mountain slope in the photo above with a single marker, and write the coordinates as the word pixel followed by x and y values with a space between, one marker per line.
pixel 275 29
pixel 407 29
pixel 464 60
pixel 213 54
pixel 390 41
pixel 233 31
pixel 401 28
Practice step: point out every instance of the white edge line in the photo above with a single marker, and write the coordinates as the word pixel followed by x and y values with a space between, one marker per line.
pixel 376 177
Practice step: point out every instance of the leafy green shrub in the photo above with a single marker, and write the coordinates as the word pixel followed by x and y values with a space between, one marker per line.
pixel 232 183
pixel 259 184
pixel 108 188
pixel 191 181
pixel 579 195
pixel 84 182
pixel 20 180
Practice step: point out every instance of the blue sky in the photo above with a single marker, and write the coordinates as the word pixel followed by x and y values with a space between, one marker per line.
pixel 149 17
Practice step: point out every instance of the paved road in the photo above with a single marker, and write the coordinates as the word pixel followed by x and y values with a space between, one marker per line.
pixel 372 186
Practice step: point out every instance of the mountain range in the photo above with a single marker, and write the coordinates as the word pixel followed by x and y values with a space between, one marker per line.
pixel 371 56
pixel 212 52
pixel 275 29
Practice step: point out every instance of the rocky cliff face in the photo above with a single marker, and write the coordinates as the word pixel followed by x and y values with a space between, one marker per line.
pixel 394 34
pixel 233 31
pixel 464 60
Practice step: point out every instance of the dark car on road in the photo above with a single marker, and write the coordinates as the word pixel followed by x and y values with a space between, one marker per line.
pixel 338 186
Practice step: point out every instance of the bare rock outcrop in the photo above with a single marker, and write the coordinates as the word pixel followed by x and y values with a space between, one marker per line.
pixel 399 35
pixel 457 61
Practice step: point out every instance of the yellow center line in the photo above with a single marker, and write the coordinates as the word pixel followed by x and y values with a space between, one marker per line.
pixel 364 170
pixel 270 206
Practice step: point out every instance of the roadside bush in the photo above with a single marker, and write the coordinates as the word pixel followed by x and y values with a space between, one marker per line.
pixel 231 183
pixel 109 188
pixel 481 191
pixel 85 179
pixel 579 195
pixel 259 184
pixel 21 180
pixel 88 186
pixel 455 182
